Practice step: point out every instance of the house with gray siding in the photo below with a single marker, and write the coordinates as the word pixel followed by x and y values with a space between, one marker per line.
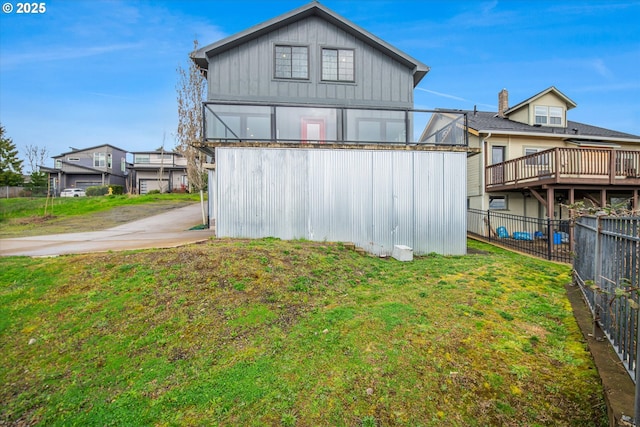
pixel 82 168
pixel 310 121
pixel 159 170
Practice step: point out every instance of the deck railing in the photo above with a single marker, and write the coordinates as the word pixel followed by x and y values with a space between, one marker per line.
pixel 568 165
pixel 238 123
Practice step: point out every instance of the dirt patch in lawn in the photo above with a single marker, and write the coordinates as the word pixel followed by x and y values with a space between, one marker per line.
pixel 50 224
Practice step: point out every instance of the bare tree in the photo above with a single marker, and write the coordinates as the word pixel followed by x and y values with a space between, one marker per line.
pixel 190 95
pixel 36 156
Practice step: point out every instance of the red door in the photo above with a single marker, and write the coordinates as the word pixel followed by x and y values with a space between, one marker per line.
pixel 313 131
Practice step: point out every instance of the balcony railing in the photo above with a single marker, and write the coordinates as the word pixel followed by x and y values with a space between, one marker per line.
pixel 566 166
pixel 227 123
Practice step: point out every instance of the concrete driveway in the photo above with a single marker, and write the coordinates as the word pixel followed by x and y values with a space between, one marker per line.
pixel 166 230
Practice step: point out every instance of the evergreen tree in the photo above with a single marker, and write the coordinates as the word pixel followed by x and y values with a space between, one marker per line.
pixel 38 184
pixel 10 165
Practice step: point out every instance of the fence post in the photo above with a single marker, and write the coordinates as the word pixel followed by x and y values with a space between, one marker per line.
pixel 489 222
pixel 550 237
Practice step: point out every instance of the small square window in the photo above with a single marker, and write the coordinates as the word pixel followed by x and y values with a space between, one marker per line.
pixel 338 65
pixel 555 115
pixel 291 62
pixel 541 115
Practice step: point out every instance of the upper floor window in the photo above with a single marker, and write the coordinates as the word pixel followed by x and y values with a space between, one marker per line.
pixel 99 160
pixel 141 158
pixel 58 164
pixel 338 65
pixel 73 159
pixel 291 62
pixel 123 164
pixel 548 115
pixel 109 160
pixel 555 115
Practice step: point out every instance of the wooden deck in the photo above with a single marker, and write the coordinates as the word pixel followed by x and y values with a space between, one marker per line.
pixel 566 166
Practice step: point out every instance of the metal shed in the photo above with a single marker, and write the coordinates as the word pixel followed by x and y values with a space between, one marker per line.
pixel 374 199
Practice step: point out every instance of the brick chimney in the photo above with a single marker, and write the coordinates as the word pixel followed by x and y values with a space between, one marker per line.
pixel 503 102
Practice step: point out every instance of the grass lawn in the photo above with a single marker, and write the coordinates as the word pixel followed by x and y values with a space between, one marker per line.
pixel 37 216
pixel 275 333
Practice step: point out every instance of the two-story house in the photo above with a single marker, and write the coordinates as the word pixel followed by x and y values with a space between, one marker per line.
pixel 164 171
pixel 311 123
pixel 535 160
pixel 93 166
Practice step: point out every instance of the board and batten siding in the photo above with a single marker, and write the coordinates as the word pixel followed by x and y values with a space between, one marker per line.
pixel 375 199
pixel 245 73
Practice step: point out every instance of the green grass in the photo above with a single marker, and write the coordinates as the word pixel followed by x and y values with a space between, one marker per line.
pixel 268 332
pixel 76 206
pixel 25 217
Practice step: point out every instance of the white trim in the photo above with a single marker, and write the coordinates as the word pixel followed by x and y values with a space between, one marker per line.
pixel 566 137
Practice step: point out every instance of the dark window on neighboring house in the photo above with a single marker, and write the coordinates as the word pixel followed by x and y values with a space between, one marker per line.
pixel 291 62
pixel 338 65
pixel 498 202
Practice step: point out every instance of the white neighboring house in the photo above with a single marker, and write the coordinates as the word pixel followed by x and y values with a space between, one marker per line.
pixel 165 171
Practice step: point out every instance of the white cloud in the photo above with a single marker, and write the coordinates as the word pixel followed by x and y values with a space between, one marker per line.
pixel 48 54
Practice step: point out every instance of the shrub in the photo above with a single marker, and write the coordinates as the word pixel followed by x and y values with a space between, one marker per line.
pixel 116 189
pixel 97 190
pixel 153 192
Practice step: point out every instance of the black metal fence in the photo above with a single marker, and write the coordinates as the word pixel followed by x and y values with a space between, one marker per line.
pixel 544 238
pixel 607 269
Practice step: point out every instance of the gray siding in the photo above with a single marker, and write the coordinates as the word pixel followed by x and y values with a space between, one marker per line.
pixel 245 73
pixel 375 199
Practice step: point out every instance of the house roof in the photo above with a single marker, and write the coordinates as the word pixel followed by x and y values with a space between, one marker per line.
pixel 156 152
pixel 490 122
pixel 314 8
pixel 85 169
pixel 552 89
pixel 78 150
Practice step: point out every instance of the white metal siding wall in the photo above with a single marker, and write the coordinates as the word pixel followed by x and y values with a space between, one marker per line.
pixel 375 199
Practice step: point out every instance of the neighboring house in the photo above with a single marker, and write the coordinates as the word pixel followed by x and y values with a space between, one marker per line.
pixel 311 124
pixel 165 171
pixel 534 159
pixel 82 168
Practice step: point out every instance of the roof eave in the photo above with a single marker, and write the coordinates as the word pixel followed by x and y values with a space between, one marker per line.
pixel 558 135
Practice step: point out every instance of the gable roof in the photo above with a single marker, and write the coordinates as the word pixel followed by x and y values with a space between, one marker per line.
pixel 200 56
pixel 552 89
pixel 490 122
pixel 79 150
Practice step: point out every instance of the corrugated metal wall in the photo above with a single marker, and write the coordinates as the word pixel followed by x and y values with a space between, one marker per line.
pixel 375 199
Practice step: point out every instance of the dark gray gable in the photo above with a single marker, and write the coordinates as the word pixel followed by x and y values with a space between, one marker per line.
pixel 88 150
pixel 202 55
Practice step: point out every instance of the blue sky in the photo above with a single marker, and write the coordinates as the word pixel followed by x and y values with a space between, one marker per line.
pixel 89 72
